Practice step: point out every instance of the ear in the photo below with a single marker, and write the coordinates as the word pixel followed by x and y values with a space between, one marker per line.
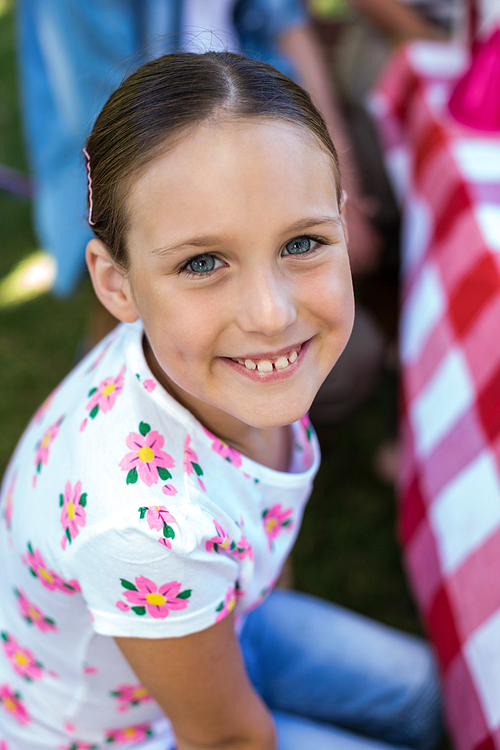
pixel 110 282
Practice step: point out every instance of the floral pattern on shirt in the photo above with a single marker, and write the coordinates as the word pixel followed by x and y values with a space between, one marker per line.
pixel 77 745
pixel 12 703
pixel 224 450
pixel 305 441
pixel 73 514
pixel 226 607
pixel 148 384
pixel 103 397
pixel 191 465
pixel 126 735
pixel 8 506
pixel 42 410
pixel 159 518
pixel 32 614
pixel 130 695
pixel 275 519
pixel 21 659
pixel 222 541
pixel 146 461
pixel 48 578
pixel 43 446
pixel 156 600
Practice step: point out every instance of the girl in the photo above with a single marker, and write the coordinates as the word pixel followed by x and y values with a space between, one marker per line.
pixel 151 502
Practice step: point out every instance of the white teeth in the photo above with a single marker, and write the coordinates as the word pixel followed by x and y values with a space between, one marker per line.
pixel 281 363
pixel 265 366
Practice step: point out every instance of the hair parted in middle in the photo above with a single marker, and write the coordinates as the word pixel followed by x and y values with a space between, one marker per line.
pixel 155 106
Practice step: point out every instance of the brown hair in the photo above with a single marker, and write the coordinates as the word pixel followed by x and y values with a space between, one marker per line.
pixel 154 106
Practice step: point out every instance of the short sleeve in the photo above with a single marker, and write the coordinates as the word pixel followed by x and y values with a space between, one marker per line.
pixel 150 572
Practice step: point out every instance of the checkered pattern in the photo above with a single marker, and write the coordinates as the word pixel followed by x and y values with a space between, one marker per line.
pixel 448 179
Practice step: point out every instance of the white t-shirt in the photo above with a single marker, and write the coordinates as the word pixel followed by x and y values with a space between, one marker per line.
pixel 122 516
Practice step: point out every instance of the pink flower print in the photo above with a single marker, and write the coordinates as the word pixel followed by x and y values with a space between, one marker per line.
pixel 48 578
pixel 307 426
pixel 3 745
pixel 12 703
pixel 226 607
pixel 243 549
pixel 43 446
pixel 149 385
pixel 191 465
pixel 77 745
pixel 73 514
pixel 169 489
pixel 146 461
pixel 305 439
pixel 126 735
pixel 222 540
pixel 157 602
pixel 275 519
pixel 32 614
pixel 40 413
pixel 7 511
pixel 224 450
pixel 158 518
pixel 130 695
pixel 21 659
pixel 104 396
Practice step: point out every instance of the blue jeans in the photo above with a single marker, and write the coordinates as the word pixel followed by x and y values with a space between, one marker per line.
pixel 335 680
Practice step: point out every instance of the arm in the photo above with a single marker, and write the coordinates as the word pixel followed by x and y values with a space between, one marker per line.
pixel 399 20
pixel 300 45
pixel 200 683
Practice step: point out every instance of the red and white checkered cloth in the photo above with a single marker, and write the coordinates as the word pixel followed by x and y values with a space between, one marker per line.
pixel 448 179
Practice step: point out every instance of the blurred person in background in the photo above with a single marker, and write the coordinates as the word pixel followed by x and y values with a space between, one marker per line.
pixel 363 48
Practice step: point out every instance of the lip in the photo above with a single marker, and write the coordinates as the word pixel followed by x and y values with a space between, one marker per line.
pixel 275 375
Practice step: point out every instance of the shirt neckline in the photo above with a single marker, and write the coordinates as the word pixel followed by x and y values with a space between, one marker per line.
pixel 135 352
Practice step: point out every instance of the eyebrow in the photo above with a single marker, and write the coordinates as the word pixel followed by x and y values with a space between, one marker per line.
pixel 211 240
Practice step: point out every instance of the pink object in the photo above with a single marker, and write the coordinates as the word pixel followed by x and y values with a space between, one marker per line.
pixel 449 486
pixel 475 100
pixel 89 180
pixel 158 601
pixel 146 455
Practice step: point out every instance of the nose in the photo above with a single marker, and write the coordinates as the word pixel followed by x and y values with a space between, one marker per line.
pixel 265 303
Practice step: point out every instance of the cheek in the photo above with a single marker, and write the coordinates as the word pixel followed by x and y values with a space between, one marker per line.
pixel 183 333
pixel 330 295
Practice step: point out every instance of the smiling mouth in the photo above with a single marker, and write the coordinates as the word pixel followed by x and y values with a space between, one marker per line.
pixel 270 363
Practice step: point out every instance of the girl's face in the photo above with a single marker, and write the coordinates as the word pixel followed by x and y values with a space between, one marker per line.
pixel 239 271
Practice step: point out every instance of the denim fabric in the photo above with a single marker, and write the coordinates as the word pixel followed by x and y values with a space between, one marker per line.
pixel 72 55
pixel 335 680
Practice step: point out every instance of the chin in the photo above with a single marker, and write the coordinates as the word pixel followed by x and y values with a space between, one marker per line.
pixel 266 418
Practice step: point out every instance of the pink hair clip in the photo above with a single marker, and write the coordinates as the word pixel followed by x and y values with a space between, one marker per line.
pixel 89 178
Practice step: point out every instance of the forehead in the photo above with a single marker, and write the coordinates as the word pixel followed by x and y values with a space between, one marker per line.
pixel 226 171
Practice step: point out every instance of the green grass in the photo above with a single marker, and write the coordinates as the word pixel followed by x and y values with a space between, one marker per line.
pixel 346 550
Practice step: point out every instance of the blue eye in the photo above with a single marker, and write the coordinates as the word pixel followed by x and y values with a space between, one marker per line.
pixel 202 264
pixel 298 246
